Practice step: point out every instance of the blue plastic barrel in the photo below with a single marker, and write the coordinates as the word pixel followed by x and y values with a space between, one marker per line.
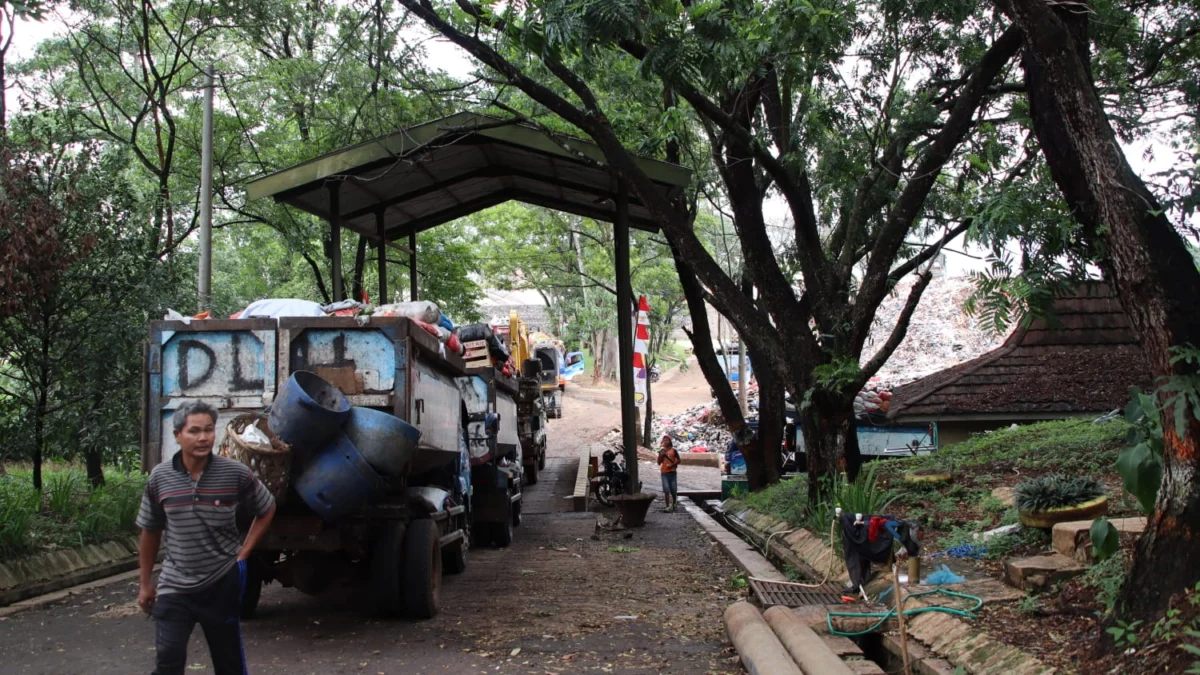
pixel 337 481
pixel 307 412
pixel 386 441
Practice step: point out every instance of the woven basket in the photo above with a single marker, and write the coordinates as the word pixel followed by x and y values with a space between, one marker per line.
pixel 272 467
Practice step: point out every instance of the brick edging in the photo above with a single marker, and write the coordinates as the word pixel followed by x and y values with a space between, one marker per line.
pixel 36 575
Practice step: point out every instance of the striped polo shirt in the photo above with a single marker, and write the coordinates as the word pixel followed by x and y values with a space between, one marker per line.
pixel 200 518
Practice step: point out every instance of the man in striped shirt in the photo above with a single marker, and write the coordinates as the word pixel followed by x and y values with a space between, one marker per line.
pixel 193 499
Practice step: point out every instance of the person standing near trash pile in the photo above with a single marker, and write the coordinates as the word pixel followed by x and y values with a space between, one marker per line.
pixel 668 462
pixel 193 499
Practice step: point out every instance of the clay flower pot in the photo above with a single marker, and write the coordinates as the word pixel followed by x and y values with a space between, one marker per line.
pixel 633 508
pixel 1093 508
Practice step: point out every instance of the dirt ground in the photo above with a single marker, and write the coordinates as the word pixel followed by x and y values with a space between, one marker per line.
pixel 564 598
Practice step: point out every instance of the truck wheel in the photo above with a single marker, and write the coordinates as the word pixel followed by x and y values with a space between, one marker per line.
pixel 253 589
pixel 541 463
pixel 387 569
pixel 422 570
pixel 516 514
pixel 454 558
pixel 531 471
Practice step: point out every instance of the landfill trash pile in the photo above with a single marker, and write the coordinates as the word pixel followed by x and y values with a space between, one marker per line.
pixel 940 334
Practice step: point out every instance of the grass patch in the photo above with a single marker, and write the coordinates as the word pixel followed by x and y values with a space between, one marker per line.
pixel 68 512
pixel 786 500
pixel 1072 447
pixel 623 549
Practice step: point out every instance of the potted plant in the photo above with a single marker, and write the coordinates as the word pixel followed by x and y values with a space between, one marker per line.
pixel 1054 498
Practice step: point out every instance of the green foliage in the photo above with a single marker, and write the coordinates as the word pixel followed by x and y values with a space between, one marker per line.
pixel 63 489
pixel 787 499
pixel 1029 605
pixel 19 503
pixel 1125 634
pixel 862 495
pixel 69 513
pixel 1054 491
pixel 1106 541
pixel 1106 578
pixel 1076 446
pixel 1140 464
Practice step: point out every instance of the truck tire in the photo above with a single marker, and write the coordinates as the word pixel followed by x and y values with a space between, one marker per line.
pixel 541 463
pixel 253 589
pixel 531 473
pixel 387 569
pixel 502 533
pixel 422 582
pixel 516 514
pixel 454 557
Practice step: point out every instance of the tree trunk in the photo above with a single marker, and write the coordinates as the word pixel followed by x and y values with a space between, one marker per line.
pixel 770 422
pixel 827 425
pixel 599 340
pixel 39 436
pixel 94 460
pixel 1155 276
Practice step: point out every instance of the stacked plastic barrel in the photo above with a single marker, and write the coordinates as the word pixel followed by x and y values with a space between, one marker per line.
pixel 341 452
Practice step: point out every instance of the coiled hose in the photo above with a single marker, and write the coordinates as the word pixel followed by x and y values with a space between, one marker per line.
pixel 884 616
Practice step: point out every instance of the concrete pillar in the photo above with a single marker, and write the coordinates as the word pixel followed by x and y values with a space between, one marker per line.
pixel 335 238
pixel 412 266
pixel 382 254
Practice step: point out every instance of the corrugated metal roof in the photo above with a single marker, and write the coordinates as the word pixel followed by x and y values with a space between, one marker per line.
pixel 1084 360
pixel 432 173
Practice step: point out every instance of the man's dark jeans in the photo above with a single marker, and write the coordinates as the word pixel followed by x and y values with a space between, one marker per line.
pixel 216 608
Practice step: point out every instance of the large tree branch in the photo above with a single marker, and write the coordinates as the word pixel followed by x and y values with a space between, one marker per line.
pixel 912 198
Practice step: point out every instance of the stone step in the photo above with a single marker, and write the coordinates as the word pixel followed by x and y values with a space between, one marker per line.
pixel 1041 571
pixel 1074 539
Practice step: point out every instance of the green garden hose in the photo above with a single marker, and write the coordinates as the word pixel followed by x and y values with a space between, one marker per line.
pixel 884 616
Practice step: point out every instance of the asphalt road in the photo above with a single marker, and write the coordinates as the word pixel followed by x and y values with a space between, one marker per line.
pixel 566 597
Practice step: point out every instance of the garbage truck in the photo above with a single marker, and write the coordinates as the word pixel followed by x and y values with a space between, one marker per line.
pixel 531 410
pixel 422 459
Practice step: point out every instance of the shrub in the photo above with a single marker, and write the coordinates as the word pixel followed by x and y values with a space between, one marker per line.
pixel 1056 491
pixel 63 490
pixel 19 503
pixel 787 499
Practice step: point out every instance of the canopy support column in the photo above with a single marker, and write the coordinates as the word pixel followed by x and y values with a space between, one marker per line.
pixel 625 335
pixel 412 266
pixel 335 238
pixel 382 253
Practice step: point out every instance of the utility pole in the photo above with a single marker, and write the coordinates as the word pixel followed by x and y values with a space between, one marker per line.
pixel 204 283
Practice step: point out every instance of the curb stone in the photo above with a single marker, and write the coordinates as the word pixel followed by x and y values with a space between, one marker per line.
pixel 48 572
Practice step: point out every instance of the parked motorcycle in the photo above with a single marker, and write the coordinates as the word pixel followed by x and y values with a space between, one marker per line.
pixel 613 477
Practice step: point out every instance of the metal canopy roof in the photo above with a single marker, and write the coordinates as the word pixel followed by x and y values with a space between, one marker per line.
pixel 426 175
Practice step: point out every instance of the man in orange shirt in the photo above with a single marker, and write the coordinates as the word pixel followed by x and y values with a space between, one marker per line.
pixel 668 462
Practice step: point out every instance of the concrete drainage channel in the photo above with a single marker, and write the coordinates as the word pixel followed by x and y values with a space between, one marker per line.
pixel 783 640
pixel 798 637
